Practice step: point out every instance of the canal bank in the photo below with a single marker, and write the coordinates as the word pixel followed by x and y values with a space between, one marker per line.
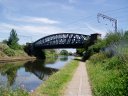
pixel 56 84
pixel 29 74
pixel 14 59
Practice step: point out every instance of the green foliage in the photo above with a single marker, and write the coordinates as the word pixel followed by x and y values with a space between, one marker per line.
pixel 11 92
pixel 94 49
pixel 109 76
pixel 64 52
pixel 80 51
pixel 126 35
pixel 13 40
pixel 5 41
pixel 113 37
pixel 55 85
pixel 70 53
pixel 114 62
pixel 110 39
pixel 20 53
pixel 5 51
pixel 50 53
pixel 98 57
pixel 2 54
pixel 9 52
pixel 3 46
pixel 97 46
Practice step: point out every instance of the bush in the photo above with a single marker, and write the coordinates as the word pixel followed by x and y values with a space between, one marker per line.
pixel 2 54
pixel 20 53
pixel 100 44
pixel 50 53
pixel 9 52
pixel 3 46
pixel 109 78
pixel 99 57
pixel 97 46
pixel 11 92
pixel 109 75
pixel 112 37
pixel 114 62
pixel 64 52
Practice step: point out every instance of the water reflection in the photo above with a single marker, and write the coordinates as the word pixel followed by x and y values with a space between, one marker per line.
pixel 64 58
pixel 38 68
pixel 9 70
pixel 30 73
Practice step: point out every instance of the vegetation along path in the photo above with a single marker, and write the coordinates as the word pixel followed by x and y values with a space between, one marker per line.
pixel 79 85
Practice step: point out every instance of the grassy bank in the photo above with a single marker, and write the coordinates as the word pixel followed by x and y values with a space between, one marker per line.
pixel 11 92
pixel 55 85
pixel 108 76
pixel 108 64
pixel 50 53
pixel 6 52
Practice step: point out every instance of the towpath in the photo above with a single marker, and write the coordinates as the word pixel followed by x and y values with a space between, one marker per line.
pixel 79 85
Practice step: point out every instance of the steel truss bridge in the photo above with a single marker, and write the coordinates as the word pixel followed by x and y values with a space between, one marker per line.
pixel 61 40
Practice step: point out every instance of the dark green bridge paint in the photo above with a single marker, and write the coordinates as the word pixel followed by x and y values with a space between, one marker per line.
pixel 61 40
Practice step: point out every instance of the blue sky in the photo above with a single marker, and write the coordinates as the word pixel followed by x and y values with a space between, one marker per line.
pixel 33 19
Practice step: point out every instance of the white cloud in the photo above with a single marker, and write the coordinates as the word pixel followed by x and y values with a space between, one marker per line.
pixel 28 33
pixel 60 6
pixel 31 29
pixel 35 20
pixel 96 30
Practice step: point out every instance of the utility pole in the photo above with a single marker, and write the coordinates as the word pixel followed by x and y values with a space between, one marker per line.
pixel 109 18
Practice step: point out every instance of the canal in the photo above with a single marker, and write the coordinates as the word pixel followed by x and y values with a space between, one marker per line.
pixel 30 74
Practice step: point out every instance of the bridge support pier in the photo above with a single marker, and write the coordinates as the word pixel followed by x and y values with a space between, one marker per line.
pixel 39 54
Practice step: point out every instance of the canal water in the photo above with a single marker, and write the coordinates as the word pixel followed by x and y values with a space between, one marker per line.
pixel 30 74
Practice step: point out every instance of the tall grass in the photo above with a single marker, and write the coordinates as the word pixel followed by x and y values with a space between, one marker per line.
pixel 109 76
pixel 11 92
pixel 55 85
pixel 108 69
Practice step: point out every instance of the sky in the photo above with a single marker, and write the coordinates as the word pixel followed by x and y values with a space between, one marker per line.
pixel 34 19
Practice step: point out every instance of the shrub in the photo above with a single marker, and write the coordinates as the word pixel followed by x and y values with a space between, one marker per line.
pixel 9 52
pixel 114 62
pixel 20 53
pixel 64 52
pixel 2 54
pixel 98 57
pixel 10 92
pixel 112 37
pixel 97 46
pixel 109 78
pixel 109 75
pixel 3 46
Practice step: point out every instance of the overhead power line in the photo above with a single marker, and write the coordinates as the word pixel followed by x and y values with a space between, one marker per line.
pixel 115 10
pixel 109 18
pixel 83 18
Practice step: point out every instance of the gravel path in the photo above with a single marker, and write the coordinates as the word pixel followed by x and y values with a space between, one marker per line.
pixel 79 85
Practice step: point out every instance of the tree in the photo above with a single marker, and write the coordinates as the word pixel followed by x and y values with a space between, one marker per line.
pixel 64 52
pixel 126 35
pixel 80 51
pixel 5 41
pixel 13 40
